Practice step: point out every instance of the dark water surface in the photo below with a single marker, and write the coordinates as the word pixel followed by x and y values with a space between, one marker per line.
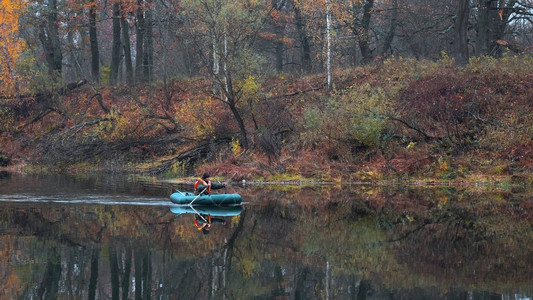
pixel 116 237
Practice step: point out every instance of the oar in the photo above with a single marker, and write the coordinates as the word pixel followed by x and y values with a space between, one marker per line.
pixel 190 204
pixel 198 213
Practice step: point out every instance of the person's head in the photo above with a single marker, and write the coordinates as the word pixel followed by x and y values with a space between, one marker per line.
pixel 205 176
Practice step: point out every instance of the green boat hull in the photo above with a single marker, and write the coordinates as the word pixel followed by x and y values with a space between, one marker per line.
pixel 213 199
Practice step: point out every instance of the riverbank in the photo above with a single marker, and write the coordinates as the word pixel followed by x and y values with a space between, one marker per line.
pixel 384 123
pixel 250 177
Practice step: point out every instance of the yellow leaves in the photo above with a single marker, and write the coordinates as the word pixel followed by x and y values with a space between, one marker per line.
pixel 196 114
pixel 247 265
pixel 411 145
pixel 236 147
pixel 250 89
pixel 443 164
pixel 119 126
pixel 368 175
pixel 446 59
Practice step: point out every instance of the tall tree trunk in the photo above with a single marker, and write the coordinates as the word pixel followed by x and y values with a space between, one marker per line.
pixel 364 37
pixel 138 265
pixel 387 41
pixel 126 277
pixel 279 47
pixel 216 65
pixel 492 18
pixel 240 123
pixel 482 29
pixel 139 43
pixel 113 268
pixel 279 30
pixel 49 287
pixel 364 288
pixel 49 36
pixel 147 275
pixel 328 38
pixel 231 102
pixel 94 273
pixel 461 30
pixel 496 27
pixel 127 50
pixel 115 48
pixel 304 39
pixel 93 39
pixel 53 27
pixel 73 57
pixel 148 59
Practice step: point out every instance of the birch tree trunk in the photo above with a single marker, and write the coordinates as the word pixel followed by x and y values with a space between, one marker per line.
pixel 127 50
pixel 328 38
pixel 216 65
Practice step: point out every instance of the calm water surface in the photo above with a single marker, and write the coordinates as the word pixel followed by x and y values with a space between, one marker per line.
pixel 115 237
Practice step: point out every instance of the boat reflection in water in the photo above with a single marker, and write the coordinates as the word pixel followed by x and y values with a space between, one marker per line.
pixel 218 211
pixel 208 215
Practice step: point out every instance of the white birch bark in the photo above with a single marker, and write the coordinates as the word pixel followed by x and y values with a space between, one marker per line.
pixel 328 39
pixel 216 69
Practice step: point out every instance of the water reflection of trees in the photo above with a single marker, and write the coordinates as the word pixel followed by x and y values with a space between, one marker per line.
pixel 304 244
pixel 483 240
pixel 402 239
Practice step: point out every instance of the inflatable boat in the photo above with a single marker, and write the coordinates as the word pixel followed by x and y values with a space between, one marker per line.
pixel 212 199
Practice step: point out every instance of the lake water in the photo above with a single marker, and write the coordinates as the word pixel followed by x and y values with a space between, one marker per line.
pixel 119 237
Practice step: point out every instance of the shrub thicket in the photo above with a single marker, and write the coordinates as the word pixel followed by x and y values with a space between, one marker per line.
pixel 433 110
pixel 402 116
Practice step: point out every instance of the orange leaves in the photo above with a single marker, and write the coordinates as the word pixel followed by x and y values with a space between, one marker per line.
pixel 10 44
pixel 502 42
pixel 500 12
pixel 10 281
pixel 270 36
pixel 10 11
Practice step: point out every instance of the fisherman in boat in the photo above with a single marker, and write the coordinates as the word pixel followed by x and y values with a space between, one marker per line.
pixel 204 185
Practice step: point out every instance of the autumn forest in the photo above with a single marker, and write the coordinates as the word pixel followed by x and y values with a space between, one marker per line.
pixel 326 90
pixel 383 148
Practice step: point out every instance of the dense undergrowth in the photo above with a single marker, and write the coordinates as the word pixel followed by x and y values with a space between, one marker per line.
pixel 401 119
